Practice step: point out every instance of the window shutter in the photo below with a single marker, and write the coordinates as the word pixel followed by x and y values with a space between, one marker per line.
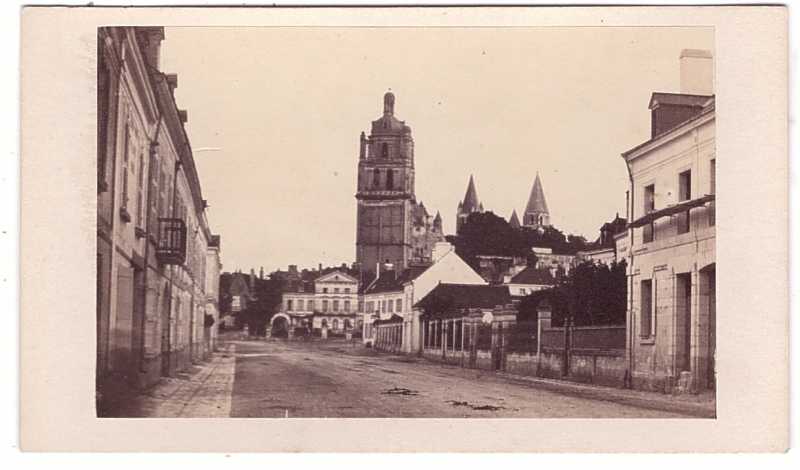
pixel 140 193
pixel 123 326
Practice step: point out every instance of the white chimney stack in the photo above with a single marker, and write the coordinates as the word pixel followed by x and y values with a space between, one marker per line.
pixel 697 72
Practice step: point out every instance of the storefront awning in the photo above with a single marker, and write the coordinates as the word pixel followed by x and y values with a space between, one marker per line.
pixel 672 210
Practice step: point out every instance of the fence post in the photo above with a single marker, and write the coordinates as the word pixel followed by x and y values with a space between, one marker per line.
pixel 545 320
pixel 567 331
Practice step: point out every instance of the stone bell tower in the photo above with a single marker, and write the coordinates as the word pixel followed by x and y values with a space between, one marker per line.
pixel 385 192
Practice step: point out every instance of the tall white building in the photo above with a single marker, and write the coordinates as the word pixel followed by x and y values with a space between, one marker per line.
pixel 672 233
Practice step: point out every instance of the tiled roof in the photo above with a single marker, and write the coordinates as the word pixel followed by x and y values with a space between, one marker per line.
pixel 708 107
pixel 464 296
pixel 534 277
pixel 391 281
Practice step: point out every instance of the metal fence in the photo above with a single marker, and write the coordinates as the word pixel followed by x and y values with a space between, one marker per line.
pixel 522 337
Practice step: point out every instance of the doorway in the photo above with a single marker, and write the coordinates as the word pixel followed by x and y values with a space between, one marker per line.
pixel 165 332
pixel 683 304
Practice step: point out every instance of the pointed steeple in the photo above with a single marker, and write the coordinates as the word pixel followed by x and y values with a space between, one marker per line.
pixel 536 202
pixel 471 203
pixel 536 212
pixel 437 222
pixel 514 220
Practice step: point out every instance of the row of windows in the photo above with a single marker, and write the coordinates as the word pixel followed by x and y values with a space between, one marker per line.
pixel 385 306
pixel 684 194
pixel 309 305
pixel 335 290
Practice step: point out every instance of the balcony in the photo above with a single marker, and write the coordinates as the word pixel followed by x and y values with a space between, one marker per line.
pixel 171 247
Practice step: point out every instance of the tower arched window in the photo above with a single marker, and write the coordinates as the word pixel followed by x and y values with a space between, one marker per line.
pixel 389 179
pixel 384 150
pixel 376 178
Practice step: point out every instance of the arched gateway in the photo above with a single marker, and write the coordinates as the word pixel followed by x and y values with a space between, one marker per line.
pixel 279 325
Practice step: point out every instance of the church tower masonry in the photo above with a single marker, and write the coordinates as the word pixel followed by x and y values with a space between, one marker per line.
pixel 388 215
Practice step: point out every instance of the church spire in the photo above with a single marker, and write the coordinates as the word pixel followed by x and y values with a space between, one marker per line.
pixel 536 212
pixel 471 203
pixel 514 220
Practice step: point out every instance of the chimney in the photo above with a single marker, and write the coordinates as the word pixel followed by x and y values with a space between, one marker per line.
pixel 293 273
pixel 697 72
pixel 261 274
pixel 320 268
pixel 252 278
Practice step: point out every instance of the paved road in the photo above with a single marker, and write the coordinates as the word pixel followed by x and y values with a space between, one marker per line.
pixel 323 379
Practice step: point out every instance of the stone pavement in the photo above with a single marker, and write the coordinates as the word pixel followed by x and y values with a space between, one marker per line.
pixel 205 394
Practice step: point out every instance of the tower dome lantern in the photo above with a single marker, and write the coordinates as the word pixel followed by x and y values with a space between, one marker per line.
pixel 388 104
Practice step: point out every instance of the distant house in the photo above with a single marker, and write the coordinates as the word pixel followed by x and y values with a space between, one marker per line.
pixel 235 293
pixel 531 280
pixel 390 321
pixel 604 249
pixel 327 303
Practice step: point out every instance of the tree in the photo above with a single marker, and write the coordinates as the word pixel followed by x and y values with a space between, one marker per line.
pixel 488 235
pixel 263 306
pixel 592 294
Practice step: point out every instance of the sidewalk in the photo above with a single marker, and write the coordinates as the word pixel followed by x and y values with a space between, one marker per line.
pixel 204 394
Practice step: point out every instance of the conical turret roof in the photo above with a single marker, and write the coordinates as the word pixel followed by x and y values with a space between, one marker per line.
pixel 438 217
pixel 471 203
pixel 514 220
pixel 536 202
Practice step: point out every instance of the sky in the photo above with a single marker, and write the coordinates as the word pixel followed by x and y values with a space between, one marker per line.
pixel 275 115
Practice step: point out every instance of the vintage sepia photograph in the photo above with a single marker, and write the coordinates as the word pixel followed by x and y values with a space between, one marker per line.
pixel 401 222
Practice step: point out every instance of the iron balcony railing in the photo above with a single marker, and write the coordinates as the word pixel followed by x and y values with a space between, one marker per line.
pixel 171 247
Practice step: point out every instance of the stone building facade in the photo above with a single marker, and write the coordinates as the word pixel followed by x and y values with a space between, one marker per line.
pixel 391 225
pixel 153 235
pixel 328 303
pixel 672 249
